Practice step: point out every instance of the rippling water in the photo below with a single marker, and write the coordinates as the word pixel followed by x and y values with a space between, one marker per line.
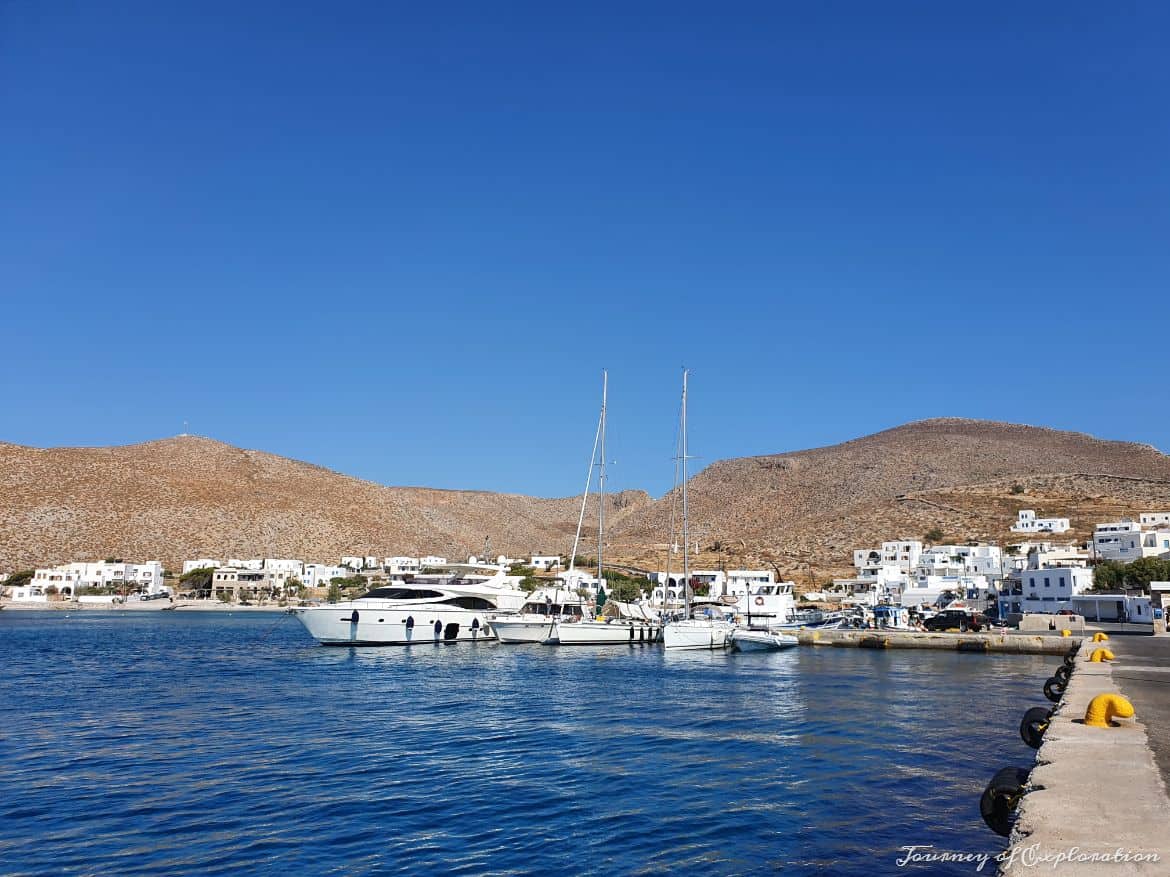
pixel 216 744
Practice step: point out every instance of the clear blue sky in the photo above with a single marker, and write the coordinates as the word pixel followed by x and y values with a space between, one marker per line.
pixel 402 239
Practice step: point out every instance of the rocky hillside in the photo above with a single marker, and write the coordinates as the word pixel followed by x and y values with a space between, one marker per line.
pixel 802 512
pixel 194 497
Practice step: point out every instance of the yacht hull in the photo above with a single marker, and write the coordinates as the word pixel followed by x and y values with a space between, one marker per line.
pixel 337 625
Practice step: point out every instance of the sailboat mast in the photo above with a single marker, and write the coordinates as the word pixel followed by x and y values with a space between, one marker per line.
pixel 601 476
pixel 686 561
pixel 585 495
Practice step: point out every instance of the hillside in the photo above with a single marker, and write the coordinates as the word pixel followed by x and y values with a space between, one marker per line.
pixel 189 497
pixel 802 512
pixel 811 508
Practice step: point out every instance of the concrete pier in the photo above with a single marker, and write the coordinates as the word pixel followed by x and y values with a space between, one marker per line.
pixel 1009 643
pixel 1101 791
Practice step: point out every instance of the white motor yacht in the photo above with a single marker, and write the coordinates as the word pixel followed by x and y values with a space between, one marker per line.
pixel 537 620
pixel 452 607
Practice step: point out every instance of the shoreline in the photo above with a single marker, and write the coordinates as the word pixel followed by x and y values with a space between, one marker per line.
pixel 136 606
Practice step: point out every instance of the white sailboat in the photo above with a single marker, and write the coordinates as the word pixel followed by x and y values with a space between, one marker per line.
pixel 600 631
pixel 712 629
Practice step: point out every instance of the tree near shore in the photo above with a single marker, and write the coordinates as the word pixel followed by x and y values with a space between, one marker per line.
pixel 198 580
pixel 17 579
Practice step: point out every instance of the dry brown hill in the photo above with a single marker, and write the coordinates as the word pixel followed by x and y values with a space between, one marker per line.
pixel 803 511
pixel 189 497
pixel 811 508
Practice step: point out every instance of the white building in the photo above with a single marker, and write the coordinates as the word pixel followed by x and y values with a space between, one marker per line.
pixel 319 575
pixel 402 566
pixel 200 563
pixel 1045 591
pixel 903 554
pixel 251 563
pixel 545 561
pixel 1134 608
pixel 288 566
pixel 1027 522
pixel 432 560
pixel 1127 541
pixel 926 590
pixel 70 578
pixel 1153 519
pixel 1038 555
pixel 740 581
pixel 28 594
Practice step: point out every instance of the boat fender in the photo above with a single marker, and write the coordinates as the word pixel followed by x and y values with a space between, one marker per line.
pixel 631 633
pixel 1063 672
pixel 438 627
pixel 410 622
pixel 475 624
pixel 353 619
pixel 1070 658
pixel 1034 724
pixel 1054 689
pixel 998 802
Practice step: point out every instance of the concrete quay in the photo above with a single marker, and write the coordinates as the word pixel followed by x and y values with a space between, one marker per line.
pixel 1008 643
pixel 1101 791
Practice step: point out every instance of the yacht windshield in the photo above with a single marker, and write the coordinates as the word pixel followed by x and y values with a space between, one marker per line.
pixel 396 593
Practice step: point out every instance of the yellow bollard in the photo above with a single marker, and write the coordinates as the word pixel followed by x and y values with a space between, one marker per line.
pixel 1100 637
pixel 1100 655
pixel 1066 632
pixel 1105 707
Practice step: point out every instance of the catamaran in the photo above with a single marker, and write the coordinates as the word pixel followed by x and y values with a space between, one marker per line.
pixel 712 629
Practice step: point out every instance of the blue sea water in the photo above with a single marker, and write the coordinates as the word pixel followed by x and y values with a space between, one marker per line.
pixel 172 743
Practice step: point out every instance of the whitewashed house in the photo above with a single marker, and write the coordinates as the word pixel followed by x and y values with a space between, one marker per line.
pixel 403 566
pixel 200 563
pixel 319 575
pixel 544 561
pixel 432 560
pixel 28 594
pixel 1154 519
pixel 1027 522
pixel 1127 541
pixel 1045 591
pixel 70 578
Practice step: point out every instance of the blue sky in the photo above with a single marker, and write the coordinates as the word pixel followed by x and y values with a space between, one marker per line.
pixel 402 240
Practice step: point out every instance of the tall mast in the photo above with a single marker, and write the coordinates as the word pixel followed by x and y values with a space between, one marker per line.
pixel 686 561
pixel 588 481
pixel 601 476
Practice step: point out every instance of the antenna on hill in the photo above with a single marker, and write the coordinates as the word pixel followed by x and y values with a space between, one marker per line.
pixel 184 432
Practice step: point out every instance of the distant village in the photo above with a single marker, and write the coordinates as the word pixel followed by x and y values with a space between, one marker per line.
pixel 1038 575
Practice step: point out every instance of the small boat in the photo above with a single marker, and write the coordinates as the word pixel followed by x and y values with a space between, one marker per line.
pixel 744 639
pixel 812 619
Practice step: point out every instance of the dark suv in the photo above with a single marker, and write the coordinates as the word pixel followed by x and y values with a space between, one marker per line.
pixel 959 618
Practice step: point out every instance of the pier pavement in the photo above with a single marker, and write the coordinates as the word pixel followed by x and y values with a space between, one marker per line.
pixel 1102 792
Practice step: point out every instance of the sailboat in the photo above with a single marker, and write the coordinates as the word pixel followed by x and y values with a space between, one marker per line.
pixel 599 631
pixel 712 628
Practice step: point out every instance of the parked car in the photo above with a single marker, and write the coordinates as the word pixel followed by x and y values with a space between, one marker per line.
pixel 960 618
